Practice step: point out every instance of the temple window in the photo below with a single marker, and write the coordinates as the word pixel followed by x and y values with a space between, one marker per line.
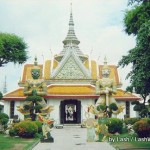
pixel 128 108
pixel 12 104
pixel 95 101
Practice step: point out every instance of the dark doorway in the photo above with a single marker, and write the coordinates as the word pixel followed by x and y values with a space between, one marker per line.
pixel 70 111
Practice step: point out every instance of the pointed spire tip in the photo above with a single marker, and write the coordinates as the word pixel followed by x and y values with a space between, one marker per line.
pixel 105 60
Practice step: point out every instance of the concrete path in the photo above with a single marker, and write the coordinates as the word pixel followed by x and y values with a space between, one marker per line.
pixel 72 138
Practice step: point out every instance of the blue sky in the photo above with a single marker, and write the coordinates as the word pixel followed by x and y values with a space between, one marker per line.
pixel 44 25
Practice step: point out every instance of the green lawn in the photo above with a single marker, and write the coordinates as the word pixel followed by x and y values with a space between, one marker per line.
pixel 125 141
pixel 12 143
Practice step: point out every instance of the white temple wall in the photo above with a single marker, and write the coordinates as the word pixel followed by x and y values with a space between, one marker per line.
pixel 84 104
pixel 132 112
pixel 55 114
pixel 7 107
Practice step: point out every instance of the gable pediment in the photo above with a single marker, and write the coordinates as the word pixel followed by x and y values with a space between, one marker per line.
pixel 71 68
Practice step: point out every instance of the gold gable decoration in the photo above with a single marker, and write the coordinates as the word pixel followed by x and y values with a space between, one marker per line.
pixel 94 69
pixel 55 64
pixel 86 64
pixel 27 72
pixel 47 69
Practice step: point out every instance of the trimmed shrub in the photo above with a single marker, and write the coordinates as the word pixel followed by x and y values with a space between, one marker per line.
pixel 1 95
pixel 26 107
pixel 12 132
pixel 26 129
pixel 135 102
pixel 3 115
pixel 34 98
pixel 101 107
pixel 131 120
pixel 39 125
pixel 4 118
pixel 142 128
pixel 38 135
pixel 37 107
pixel 124 129
pixel 115 125
pixel 113 106
pixel 1 107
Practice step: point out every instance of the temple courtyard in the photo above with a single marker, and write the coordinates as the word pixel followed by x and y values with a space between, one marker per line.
pixel 72 138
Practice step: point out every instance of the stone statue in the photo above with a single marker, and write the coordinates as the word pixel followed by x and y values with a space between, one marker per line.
pixel 106 105
pixel 90 125
pixel 97 129
pixel 35 89
pixel 130 129
pixel 105 87
pixel 35 86
pixel 47 125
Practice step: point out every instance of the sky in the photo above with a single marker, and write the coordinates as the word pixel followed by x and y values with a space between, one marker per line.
pixel 43 24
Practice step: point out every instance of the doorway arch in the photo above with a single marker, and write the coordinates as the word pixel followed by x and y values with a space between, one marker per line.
pixel 70 111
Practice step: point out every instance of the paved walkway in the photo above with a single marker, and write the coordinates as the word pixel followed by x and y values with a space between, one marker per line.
pixel 72 138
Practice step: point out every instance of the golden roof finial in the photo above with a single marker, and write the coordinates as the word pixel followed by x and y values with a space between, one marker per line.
pixel 35 61
pixel 105 60
pixel 105 66
pixel 35 66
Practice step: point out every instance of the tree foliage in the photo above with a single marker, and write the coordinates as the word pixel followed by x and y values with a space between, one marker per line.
pixel 139 58
pixel 137 22
pixel 12 49
pixel 131 2
pixel 135 17
pixel 1 95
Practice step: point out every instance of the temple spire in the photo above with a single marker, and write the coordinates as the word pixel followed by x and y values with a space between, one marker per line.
pixel 5 86
pixel 71 23
pixel 71 37
pixel 71 42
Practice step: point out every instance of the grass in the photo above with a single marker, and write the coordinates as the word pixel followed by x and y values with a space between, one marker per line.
pixel 126 141
pixel 13 143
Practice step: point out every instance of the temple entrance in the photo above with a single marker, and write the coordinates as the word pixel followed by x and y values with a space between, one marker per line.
pixel 70 112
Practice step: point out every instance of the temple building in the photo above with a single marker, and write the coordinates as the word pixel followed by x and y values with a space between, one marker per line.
pixel 70 80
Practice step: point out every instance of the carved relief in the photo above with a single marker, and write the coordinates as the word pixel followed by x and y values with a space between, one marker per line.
pixel 70 71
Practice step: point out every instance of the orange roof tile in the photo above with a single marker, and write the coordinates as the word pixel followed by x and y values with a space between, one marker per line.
pixel 121 94
pixel 70 91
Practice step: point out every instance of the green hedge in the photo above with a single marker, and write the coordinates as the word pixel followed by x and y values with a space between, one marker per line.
pixel 26 129
pixel 4 118
pixel 39 125
pixel 131 120
pixel 115 125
